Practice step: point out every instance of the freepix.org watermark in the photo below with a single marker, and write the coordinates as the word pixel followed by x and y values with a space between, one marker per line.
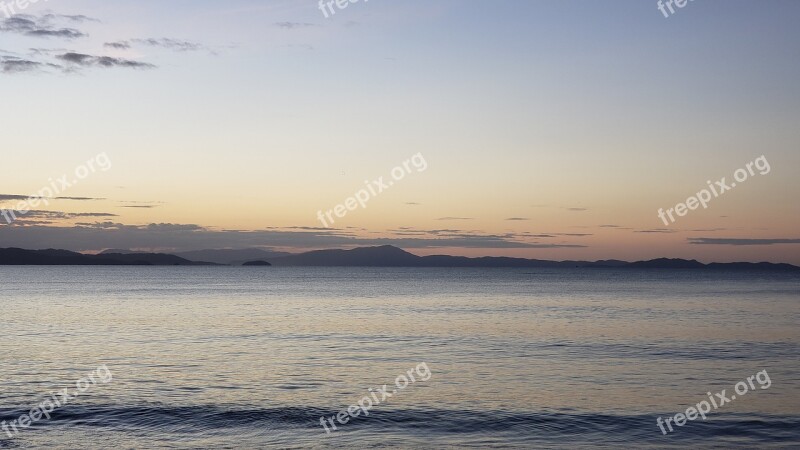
pixel 717 400
pixel 362 196
pixel 327 6
pixel 718 188
pixel 15 7
pixel 56 187
pixel 664 5
pixel 56 400
pixel 365 404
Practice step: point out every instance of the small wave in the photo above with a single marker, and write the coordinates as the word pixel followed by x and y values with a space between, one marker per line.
pixel 530 426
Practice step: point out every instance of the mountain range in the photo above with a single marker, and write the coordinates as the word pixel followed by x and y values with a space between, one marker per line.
pixel 384 256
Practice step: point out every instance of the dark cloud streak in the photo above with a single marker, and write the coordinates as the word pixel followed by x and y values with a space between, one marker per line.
pixel 85 60
pixel 28 25
pixel 739 242
pixel 97 236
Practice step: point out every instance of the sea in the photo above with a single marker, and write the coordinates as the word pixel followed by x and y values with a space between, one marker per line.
pixel 409 358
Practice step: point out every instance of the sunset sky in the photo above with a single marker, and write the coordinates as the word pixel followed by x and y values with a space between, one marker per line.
pixel 550 129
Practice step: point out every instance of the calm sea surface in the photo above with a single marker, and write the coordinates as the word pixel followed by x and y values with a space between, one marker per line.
pixel 518 358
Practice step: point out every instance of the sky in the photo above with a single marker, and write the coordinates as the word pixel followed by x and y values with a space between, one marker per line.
pixel 539 129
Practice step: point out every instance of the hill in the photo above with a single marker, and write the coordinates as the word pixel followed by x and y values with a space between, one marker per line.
pixel 20 257
pixel 383 256
pixel 232 257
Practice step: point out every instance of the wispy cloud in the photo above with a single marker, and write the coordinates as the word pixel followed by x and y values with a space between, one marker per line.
pixel 172 44
pixel 12 65
pixel 293 25
pixel 745 241
pixel 29 25
pixel 80 18
pixel 567 208
pixel 80 199
pixel 71 61
pixel 178 45
pixel 84 60
pixel 9 197
pixel 120 45
pixel 54 215
pixel 100 235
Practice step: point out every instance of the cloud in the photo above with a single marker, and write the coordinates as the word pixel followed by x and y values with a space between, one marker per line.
pixel 74 61
pixel 10 65
pixel 29 25
pixel 84 60
pixel 517 218
pixel 46 51
pixel 459 238
pixel 50 215
pixel 293 25
pixel 6 197
pixel 464 242
pixel 177 45
pixel 657 230
pixel 121 45
pixel 173 227
pixel 455 218
pixel 176 237
pixel 27 223
pixel 9 197
pixel 738 242
pixel 575 209
pixel 615 227
pixel 80 199
pixel 138 202
pixel 537 236
pixel 71 215
pixel 169 43
pixel 101 225
pixel 75 18
pixel 71 61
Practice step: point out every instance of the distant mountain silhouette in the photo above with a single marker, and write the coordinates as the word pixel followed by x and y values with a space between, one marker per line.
pixel 665 263
pixel 151 259
pixel 231 257
pixel 16 256
pixel 390 256
pixel 384 256
pixel 752 266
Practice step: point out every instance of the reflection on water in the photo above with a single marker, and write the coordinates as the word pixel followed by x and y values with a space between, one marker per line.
pixel 243 358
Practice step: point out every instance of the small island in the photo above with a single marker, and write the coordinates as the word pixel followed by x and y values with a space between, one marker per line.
pixel 256 264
